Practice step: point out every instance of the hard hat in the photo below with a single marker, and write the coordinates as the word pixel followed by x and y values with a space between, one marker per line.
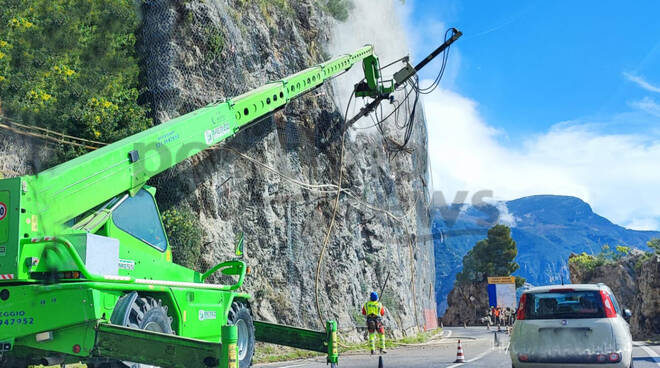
pixel 373 296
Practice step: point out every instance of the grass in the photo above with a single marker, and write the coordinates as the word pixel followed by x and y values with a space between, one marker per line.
pixel 269 353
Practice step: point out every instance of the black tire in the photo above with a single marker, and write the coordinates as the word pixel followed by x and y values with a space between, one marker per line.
pixel 149 314
pixel 144 313
pixel 241 316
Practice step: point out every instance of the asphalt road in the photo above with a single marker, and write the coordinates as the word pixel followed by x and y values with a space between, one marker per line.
pixel 478 346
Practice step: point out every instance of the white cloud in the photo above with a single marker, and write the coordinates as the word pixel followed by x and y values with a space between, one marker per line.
pixel 649 105
pixel 505 217
pixel 641 82
pixel 616 173
pixel 643 224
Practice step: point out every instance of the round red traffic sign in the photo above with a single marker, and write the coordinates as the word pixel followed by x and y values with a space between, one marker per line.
pixel 3 211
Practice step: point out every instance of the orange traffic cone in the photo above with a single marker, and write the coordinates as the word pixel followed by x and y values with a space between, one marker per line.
pixel 460 358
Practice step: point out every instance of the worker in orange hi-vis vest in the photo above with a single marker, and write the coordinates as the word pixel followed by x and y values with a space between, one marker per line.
pixel 374 312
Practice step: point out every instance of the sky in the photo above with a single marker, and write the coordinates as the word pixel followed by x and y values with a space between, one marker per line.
pixel 547 97
pixel 539 97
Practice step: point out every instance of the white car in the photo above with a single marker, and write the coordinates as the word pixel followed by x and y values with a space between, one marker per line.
pixel 571 326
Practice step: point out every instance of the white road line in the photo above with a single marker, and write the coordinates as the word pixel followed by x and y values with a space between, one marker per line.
pixel 291 366
pixel 300 363
pixel 471 360
pixel 651 353
pixel 449 332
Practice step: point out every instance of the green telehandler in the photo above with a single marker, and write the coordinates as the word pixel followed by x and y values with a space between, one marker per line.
pixel 86 272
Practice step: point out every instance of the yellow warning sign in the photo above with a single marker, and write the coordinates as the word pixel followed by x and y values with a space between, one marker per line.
pixel 502 280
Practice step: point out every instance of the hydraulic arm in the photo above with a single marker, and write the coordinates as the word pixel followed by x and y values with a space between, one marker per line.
pixel 64 191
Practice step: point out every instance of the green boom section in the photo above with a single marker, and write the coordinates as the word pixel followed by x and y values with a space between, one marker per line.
pixel 59 194
pixel 142 346
pixel 300 338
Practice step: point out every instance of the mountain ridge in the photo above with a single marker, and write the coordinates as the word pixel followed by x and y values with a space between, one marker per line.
pixel 547 229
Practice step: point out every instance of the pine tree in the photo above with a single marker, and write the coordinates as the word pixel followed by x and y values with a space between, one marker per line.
pixel 493 256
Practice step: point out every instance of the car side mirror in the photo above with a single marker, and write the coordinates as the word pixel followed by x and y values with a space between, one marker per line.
pixel 627 314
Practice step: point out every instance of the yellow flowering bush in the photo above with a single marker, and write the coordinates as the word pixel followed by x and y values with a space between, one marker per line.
pixel 71 66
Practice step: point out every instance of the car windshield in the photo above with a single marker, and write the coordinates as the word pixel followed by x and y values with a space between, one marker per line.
pixel 566 304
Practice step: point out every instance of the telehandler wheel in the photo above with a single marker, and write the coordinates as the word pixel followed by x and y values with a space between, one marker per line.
pixel 241 316
pixel 144 313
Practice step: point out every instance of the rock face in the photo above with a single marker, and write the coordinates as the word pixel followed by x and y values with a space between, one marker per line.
pixel 20 155
pixel 646 309
pixel 267 181
pixel 467 303
pixel 635 281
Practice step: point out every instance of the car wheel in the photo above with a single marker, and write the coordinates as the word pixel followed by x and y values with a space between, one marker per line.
pixel 241 316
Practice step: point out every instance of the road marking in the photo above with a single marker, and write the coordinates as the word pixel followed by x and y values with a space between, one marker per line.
pixel 651 353
pixel 449 332
pixel 471 360
pixel 295 365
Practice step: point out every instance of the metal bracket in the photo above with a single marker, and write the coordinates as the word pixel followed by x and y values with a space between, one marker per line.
pixel 402 75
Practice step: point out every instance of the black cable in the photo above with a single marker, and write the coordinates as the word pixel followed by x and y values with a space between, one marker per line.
pixel 438 78
pixel 410 112
pixel 348 105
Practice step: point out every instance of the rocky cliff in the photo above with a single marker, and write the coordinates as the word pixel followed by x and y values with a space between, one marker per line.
pixel 467 303
pixel 271 181
pixel 21 155
pixel 265 181
pixel 635 281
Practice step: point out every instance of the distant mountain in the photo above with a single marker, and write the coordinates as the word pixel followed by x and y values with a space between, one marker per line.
pixel 546 228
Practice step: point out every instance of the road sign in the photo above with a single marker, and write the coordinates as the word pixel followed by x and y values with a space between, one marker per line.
pixel 502 280
pixel 502 291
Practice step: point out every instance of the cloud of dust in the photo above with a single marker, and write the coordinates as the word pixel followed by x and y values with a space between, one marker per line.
pixel 376 22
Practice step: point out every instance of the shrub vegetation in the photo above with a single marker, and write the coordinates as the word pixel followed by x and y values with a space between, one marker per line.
pixel 589 262
pixel 185 236
pixel 71 66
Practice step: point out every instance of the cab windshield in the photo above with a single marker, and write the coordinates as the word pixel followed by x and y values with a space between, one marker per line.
pixel 138 216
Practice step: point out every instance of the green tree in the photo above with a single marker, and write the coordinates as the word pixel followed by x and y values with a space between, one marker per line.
pixel 71 66
pixel 654 244
pixel 493 256
pixel 339 9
